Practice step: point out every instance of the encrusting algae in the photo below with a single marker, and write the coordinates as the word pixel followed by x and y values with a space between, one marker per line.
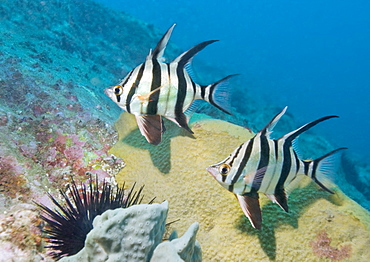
pixel 175 171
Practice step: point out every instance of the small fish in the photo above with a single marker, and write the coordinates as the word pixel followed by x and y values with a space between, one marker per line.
pixel 155 89
pixel 269 166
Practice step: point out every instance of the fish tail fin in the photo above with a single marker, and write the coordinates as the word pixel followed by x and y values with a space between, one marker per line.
pixel 217 94
pixel 323 169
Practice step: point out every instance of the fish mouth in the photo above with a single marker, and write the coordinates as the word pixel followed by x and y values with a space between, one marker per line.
pixel 212 170
pixel 108 91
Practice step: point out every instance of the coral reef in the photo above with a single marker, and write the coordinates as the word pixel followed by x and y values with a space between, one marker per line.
pixel 56 58
pixel 53 123
pixel 177 174
pixel 12 180
pixel 186 248
pixel 53 119
pixel 20 235
pixel 131 235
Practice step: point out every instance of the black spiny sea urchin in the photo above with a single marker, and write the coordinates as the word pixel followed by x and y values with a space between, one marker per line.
pixel 68 225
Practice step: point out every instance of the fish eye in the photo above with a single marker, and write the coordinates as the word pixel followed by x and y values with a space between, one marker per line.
pixel 118 90
pixel 224 169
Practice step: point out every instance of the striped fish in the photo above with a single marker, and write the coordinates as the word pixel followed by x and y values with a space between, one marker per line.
pixel 155 89
pixel 265 165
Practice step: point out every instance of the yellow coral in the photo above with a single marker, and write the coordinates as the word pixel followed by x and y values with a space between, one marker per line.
pixel 175 171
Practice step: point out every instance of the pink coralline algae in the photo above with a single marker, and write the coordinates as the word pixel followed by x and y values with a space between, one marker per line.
pixel 322 248
pixel 64 145
pixel 12 180
pixel 74 153
pixel 20 235
pixel 68 151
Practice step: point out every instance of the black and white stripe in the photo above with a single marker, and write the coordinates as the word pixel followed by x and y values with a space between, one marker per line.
pixel 265 165
pixel 277 158
pixel 166 89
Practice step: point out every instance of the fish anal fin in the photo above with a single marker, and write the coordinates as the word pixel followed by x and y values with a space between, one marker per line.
pixel 182 121
pixel 281 199
pixel 151 127
pixel 251 207
pixel 193 107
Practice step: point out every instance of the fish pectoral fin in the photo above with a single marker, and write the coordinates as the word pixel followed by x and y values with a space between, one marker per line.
pixel 256 177
pixel 251 207
pixel 280 198
pixel 146 97
pixel 152 127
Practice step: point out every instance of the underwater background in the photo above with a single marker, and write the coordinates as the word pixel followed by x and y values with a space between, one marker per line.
pixel 57 125
pixel 312 56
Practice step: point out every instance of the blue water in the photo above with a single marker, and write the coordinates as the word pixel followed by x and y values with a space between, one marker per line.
pixel 313 56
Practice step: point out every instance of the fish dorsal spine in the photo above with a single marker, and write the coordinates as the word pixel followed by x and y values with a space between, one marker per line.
pixel 158 51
